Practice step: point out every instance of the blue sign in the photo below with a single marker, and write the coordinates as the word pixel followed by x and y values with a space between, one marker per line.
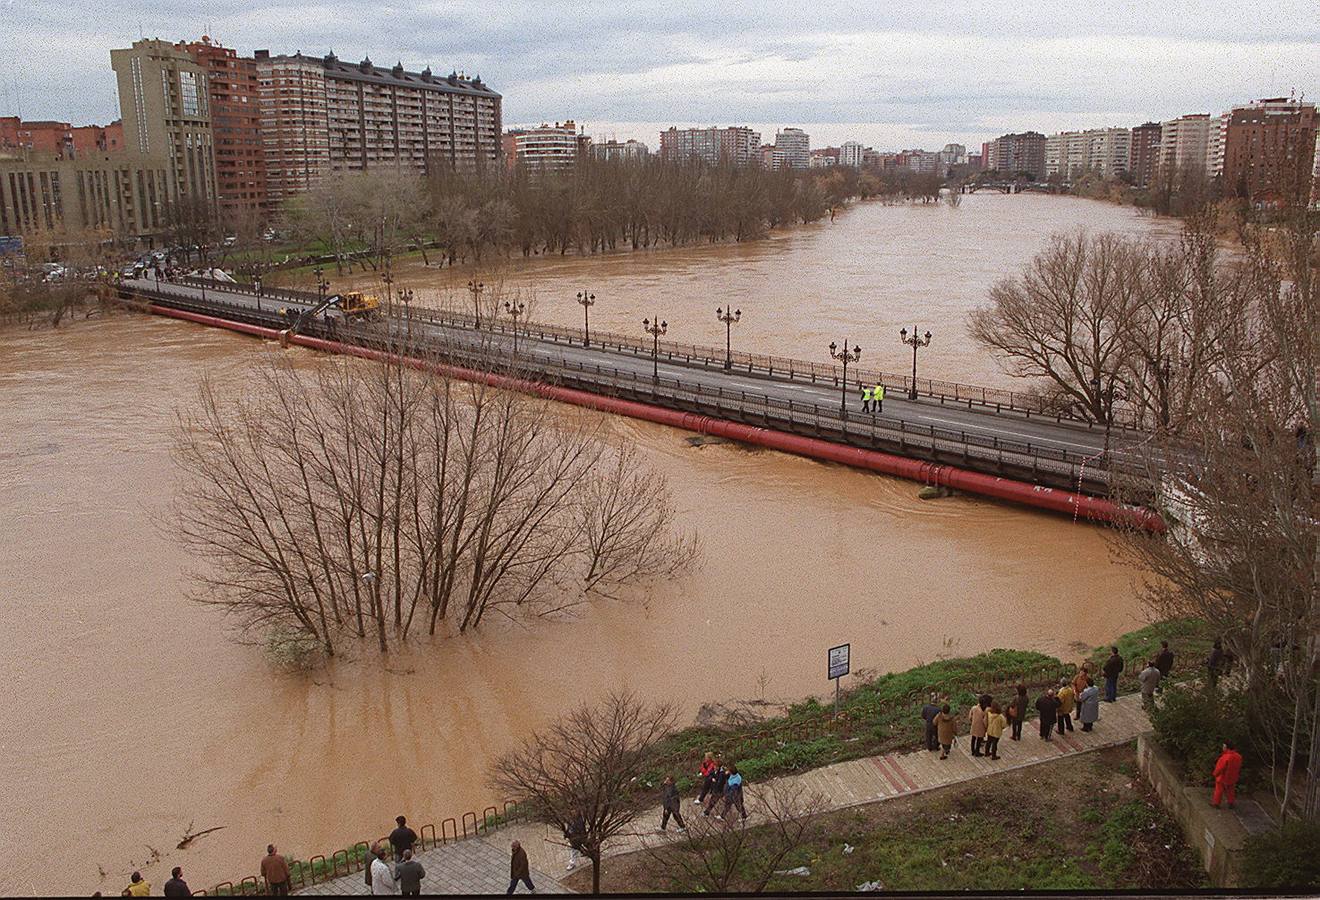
pixel 10 245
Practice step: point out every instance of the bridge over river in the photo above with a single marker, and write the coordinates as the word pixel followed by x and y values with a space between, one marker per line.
pixel 997 443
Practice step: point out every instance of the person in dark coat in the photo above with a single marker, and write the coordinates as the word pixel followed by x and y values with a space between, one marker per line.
pixel 928 714
pixel 409 874
pixel 402 837
pixel 1164 662
pixel 176 886
pixel 1214 664
pixel 947 726
pixel 576 834
pixel 519 869
pixel 716 789
pixel 669 804
pixel 1088 705
pixel 1017 711
pixel 1112 669
pixel 1048 707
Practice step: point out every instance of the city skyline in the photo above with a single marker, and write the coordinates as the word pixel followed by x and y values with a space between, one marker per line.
pixel 889 80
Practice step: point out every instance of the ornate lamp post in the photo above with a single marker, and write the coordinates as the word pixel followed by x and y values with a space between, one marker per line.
pixel 587 300
pixel 476 287
pixel 515 310
pixel 655 329
pixel 728 318
pixel 406 298
pixel 845 356
pixel 321 285
pixel 256 285
pixel 915 342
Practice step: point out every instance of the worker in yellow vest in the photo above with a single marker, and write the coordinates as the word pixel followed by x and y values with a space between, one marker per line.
pixel 878 395
pixel 866 399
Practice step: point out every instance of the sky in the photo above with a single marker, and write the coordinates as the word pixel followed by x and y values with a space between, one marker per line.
pixel 892 75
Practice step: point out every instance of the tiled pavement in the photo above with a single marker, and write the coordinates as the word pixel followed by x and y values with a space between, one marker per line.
pixel 481 865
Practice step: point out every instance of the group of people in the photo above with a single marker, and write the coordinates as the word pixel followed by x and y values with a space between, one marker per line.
pixel 873 396
pixel 988 720
pixel 405 877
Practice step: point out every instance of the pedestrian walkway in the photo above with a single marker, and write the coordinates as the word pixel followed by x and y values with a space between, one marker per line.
pixel 472 866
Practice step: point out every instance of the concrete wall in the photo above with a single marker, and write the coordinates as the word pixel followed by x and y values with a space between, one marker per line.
pixel 1216 834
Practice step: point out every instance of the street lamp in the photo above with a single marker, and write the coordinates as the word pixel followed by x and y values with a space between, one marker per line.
pixel 515 310
pixel 845 356
pixel 406 298
pixel 388 277
pixel 256 285
pixel 476 287
pixel 915 342
pixel 728 319
pixel 587 301
pixel 655 330
pixel 321 285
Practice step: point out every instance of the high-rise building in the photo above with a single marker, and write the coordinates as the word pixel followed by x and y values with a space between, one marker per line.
pixel 1145 153
pixel 166 112
pixel 295 136
pixel 792 149
pixel 123 193
pixel 850 154
pixel 616 151
pixel 1269 150
pixel 1185 143
pixel 545 148
pixel 1106 151
pixel 234 94
pixel 1011 154
pixel 738 145
pixel 952 155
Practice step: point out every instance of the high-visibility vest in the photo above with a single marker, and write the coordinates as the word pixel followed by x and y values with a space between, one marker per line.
pixel 866 395
pixel 879 392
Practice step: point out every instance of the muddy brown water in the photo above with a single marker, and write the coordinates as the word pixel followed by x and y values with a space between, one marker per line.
pixel 131 717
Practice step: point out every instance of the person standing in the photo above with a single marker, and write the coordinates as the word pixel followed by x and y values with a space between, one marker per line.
pixel 878 397
pixel 138 886
pixel 1149 679
pixel 275 871
pixel 1227 769
pixel 519 869
pixel 576 834
pixel 733 794
pixel 1081 679
pixel 946 726
pixel 1112 669
pixel 1214 663
pixel 709 766
pixel 1067 703
pixel 1088 705
pixel 928 714
pixel 866 399
pixel 669 804
pixel 995 723
pixel 409 873
pixel 1048 707
pixel 717 787
pixel 402 837
pixel 382 879
pixel 1164 662
pixel 1017 712
pixel 176 886
pixel 977 717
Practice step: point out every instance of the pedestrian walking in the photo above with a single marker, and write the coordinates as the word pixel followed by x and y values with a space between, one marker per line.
pixel 878 398
pixel 402 837
pixel 947 728
pixel 977 717
pixel 866 399
pixel 382 879
pixel 1088 705
pixel 669 804
pixel 575 832
pixel 1112 669
pixel 733 794
pixel 1227 769
pixel 1017 711
pixel 409 873
pixel 275 871
pixel 717 786
pixel 519 869
pixel 1163 662
pixel 995 723
pixel 709 766
pixel 176 886
pixel 928 714
pixel 1048 707
pixel 1067 703
pixel 1149 679
pixel 137 886
pixel 1214 663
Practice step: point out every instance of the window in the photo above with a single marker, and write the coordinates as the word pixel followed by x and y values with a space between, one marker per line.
pixel 188 96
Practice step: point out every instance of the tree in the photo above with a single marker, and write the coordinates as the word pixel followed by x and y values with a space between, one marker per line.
pixel 193 223
pixel 584 768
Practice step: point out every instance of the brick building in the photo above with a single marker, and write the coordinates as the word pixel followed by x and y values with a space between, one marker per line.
pixel 738 144
pixel 240 166
pixel 1013 153
pixel 1145 153
pixel 1269 150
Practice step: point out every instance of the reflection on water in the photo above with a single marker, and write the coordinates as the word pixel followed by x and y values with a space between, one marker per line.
pixel 130 717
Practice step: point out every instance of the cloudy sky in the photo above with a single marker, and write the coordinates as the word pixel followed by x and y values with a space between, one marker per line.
pixel 891 74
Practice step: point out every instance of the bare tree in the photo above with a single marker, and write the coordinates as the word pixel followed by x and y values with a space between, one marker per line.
pixel 720 858
pixel 582 771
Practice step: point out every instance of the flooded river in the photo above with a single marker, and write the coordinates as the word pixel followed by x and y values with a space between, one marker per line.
pixel 131 718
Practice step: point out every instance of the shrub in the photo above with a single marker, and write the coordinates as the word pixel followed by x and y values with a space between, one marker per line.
pixel 1191 724
pixel 1286 858
pixel 292 651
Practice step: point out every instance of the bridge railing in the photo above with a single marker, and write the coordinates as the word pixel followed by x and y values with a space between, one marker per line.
pixel 757 364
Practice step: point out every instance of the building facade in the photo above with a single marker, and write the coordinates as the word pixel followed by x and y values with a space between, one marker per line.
pixel 792 149
pixel 1013 153
pixel 737 145
pixel 546 148
pixel 1145 153
pixel 1185 144
pixel 234 95
pixel 123 194
pixel 1269 150
pixel 620 151
pixel 59 138
pixel 164 98
pixel 850 154
pixel 295 139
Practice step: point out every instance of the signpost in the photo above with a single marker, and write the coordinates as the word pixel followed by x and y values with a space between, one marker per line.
pixel 838 667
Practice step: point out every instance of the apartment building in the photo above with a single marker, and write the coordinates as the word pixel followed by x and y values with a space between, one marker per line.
pixel 792 149
pixel 295 137
pixel 545 148
pixel 627 151
pixel 1019 152
pixel 1269 150
pixel 123 193
pixel 1186 143
pixel 59 138
pixel 234 96
pixel 1145 153
pixel 738 145
pixel 850 154
pixel 1106 151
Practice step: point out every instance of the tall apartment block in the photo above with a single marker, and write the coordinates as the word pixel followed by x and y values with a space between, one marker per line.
pixel 1186 143
pixel 546 148
pixel 792 149
pixel 1145 153
pixel 630 150
pixel 1103 150
pixel 1013 153
pixel 166 112
pixel 1269 150
pixel 738 145
pixel 295 134
pixel 240 166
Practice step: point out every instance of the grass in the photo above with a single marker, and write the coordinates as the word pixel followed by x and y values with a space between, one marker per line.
pixel 1189 639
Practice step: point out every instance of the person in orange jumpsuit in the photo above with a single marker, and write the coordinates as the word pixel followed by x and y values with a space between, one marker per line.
pixel 1227 769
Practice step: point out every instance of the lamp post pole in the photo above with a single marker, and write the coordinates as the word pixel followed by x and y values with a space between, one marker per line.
pixel 476 287
pixel 728 318
pixel 845 356
pixel 915 342
pixel 587 300
pixel 515 310
pixel 655 329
